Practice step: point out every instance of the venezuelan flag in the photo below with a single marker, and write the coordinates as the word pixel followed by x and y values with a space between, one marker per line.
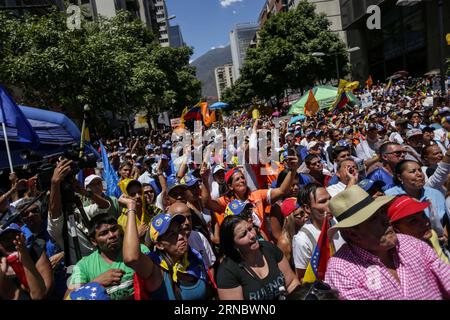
pixel 194 113
pixel 341 101
pixel 323 251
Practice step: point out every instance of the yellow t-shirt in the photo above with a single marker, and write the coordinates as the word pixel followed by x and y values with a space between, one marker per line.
pixel 434 240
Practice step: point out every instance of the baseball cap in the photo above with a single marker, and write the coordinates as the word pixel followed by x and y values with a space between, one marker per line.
pixel 288 134
pixel 444 110
pixel 413 132
pixel 172 184
pixel 405 206
pixel 217 168
pixel 148 147
pixel 372 126
pixel 428 129
pixel 236 207
pixel 89 291
pixel 13 227
pixel 368 184
pixel 161 223
pixel 288 206
pixel 189 180
pixel 91 178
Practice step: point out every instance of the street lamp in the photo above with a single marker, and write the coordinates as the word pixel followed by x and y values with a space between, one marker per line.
pixel 322 54
pixel 409 3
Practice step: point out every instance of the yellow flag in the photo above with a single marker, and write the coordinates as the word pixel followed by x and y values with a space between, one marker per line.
pixel 311 105
pixel 351 86
pixel 255 113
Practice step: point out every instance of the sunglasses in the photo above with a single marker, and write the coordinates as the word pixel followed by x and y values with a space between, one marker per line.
pixel 317 288
pixel 397 153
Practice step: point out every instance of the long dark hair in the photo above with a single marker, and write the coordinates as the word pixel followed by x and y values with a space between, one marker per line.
pixel 226 234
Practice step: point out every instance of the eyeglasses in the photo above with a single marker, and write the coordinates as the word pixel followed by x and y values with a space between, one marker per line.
pixel 315 289
pixel 397 153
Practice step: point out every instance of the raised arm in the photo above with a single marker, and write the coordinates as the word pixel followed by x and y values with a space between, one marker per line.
pixel 278 193
pixel 132 255
pixel 61 171
pixel 207 202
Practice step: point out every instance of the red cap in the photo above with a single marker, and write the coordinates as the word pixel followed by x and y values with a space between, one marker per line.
pixel 405 206
pixel 288 206
pixel 229 174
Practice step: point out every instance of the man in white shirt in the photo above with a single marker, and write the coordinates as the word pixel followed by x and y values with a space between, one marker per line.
pixel 347 172
pixel 314 200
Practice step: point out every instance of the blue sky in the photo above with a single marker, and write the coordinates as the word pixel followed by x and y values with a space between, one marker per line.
pixel 207 23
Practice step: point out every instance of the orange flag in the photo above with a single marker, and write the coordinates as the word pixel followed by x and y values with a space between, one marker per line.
pixel 369 82
pixel 311 105
pixel 208 117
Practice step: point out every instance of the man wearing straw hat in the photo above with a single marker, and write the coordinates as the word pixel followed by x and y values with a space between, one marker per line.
pixel 376 263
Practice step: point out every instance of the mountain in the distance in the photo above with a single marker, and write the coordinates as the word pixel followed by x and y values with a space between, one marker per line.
pixel 206 64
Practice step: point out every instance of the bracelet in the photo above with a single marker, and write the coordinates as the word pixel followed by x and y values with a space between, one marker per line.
pixel 128 210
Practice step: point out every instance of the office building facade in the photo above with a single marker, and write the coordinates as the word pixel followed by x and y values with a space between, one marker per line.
pixel 407 40
pixel 175 36
pixel 224 78
pixel 240 39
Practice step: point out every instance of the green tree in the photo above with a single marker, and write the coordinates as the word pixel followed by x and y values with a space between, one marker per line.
pixel 111 64
pixel 282 59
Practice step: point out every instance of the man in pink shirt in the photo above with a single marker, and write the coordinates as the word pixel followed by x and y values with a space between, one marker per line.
pixel 376 263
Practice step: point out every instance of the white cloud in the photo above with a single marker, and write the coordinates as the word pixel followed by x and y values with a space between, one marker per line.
pixel 212 48
pixel 226 3
pixel 234 12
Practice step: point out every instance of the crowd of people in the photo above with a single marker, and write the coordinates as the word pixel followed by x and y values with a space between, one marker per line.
pixel 377 174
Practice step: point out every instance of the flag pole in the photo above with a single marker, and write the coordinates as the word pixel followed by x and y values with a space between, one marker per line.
pixel 7 148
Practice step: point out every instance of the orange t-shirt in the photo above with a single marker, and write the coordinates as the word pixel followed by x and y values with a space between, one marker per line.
pixel 259 198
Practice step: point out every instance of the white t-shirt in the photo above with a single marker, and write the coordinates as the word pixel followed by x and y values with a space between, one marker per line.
pixel 200 243
pixel 336 188
pixel 302 247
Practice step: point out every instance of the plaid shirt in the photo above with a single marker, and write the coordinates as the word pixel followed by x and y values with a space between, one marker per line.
pixel 360 275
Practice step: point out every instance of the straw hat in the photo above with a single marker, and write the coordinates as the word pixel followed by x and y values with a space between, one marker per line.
pixel 353 206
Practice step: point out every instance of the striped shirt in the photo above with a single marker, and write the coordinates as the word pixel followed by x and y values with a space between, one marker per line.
pixel 360 275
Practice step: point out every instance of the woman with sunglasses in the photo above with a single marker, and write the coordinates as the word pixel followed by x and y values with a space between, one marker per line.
pixel 173 270
pixel 252 269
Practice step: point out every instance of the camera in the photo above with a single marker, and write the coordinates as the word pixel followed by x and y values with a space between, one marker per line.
pixel 44 167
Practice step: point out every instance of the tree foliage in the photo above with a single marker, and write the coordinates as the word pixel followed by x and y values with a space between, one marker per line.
pixel 282 59
pixel 111 64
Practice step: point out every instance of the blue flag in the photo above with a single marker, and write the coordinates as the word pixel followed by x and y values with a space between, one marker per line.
pixel 13 118
pixel 110 176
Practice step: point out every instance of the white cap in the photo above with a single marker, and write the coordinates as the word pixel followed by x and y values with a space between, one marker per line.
pixel 91 178
pixel 217 168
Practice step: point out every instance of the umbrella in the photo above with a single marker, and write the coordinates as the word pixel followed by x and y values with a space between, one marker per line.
pixel 218 105
pixel 325 96
pixel 434 72
pixel 403 73
pixel 297 118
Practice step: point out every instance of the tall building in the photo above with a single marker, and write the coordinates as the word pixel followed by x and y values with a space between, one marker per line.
pixel 162 19
pixel 224 78
pixel 407 40
pixel 141 9
pixel 332 9
pixel 175 36
pixel 272 7
pixel 240 39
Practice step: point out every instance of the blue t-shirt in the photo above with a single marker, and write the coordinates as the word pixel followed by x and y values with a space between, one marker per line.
pixel 381 174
